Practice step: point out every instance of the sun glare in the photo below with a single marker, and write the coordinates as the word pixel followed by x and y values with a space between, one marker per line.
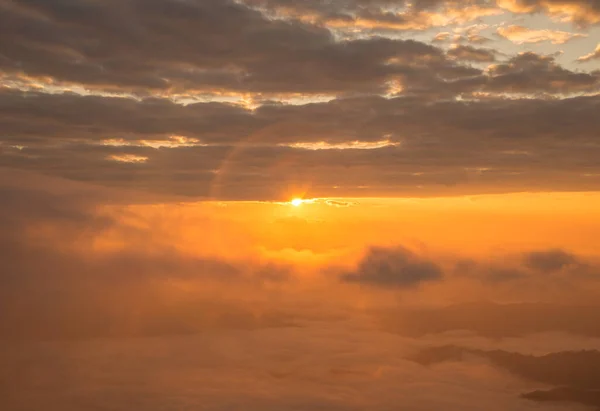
pixel 296 202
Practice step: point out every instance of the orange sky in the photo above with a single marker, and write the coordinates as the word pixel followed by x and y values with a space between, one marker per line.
pixel 323 228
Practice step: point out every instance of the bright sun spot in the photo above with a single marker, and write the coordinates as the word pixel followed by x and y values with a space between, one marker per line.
pixel 297 202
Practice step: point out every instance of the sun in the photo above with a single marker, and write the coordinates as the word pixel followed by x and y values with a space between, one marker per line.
pixel 296 202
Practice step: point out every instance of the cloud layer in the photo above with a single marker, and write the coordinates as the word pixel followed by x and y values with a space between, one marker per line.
pixel 185 98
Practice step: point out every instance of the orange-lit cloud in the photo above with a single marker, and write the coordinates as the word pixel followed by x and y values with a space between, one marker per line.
pixel 578 11
pixel 360 145
pixel 127 158
pixel 520 35
pixel 594 55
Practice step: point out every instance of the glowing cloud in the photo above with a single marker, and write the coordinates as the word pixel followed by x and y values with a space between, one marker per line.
pixel 351 145
pixel 521 35
pixel 128 158
pixel 594 55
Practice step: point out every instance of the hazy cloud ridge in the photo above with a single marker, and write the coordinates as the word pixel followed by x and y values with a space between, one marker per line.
pixel 574 372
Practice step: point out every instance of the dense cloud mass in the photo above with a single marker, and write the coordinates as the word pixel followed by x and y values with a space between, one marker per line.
pixel 547 144
pixel 183 97
pixel 90 43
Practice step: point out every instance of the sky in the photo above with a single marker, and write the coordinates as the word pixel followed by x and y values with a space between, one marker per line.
pixel 299 205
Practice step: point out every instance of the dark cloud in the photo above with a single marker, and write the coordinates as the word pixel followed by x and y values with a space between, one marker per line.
pixel 549 261
pixel 367 17
pixel 92 118
pixel 548 144
pixel 531 72
pixel 395 267
pixel 347 6
pixel 207 45
pixel 503 274
pixel 507 274
pixel 214 46
pixel 217 149
pixel 41 116
pixel 409 15
pixel 379 10
pixel 527 266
